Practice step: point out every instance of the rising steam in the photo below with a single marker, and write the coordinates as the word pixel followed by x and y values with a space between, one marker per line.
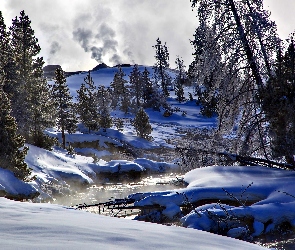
pixel 100 44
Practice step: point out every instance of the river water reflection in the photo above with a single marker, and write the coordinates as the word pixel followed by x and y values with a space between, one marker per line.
pixel 117 190
pixel 157 182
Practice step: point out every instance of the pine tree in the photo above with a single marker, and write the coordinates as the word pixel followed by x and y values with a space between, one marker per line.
pixel 142 125
pixel 4 49
pixel 279 105
pixel 180 79
pixel 136 85
pixel 118 87
pixel 41 109
pixel 87 103
pixel 24 47
pixel 147 86
pixel 12 150
pixel 27 88
pixel 162 64
pixel 120 93
pixel 66 117
pixel 119 123
pixel 104 102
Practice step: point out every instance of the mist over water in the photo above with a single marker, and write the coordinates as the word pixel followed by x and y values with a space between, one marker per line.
pixel 117 190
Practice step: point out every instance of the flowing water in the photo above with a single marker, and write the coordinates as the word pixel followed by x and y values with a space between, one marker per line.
pixel 117 190
pixel 158 182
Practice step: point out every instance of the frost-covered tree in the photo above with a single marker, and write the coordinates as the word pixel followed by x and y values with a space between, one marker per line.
pixel 12 149
pixel 245 40
pixel 64 108
pixel 87 103
pixel 142 125
pixel 208 69
pixel 136 86
pixel 104 103
pixel 179 79
pixel 161 65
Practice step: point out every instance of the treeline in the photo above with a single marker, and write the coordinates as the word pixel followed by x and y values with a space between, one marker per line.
pixel 29 105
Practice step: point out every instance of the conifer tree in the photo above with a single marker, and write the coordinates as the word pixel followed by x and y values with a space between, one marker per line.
pixel 87 103
pixel 120 93
pixel 4 49
pixel 142 125
pixel 104 102
pixel 147 86
pixel 180 79
pixel 279 106
pixel 25 47
pixel 27 87
pixel 42 114
pixel 161 65
pixel 66 117
pixel 119 123
pixel 12 150
pixel 136 85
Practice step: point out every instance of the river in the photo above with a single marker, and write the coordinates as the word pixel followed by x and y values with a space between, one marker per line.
pixel 157 182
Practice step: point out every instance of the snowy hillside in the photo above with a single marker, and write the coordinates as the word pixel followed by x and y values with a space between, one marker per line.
pixel 56 167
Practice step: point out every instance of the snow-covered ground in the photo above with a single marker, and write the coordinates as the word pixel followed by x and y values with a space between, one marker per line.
pixel 46 226
pixel 35 226
pixel 262 195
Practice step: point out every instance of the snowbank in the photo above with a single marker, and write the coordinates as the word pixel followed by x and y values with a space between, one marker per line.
pixel 46 226
pixel 264 199
pixel 12 187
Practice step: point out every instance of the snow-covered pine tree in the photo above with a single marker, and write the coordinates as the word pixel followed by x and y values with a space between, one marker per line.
pixel 136 86
pixel 64 108
pixel 87 103
pixel 147 87
pixel 179 79
pixel 104 103
pixel 142 124
pixel 12 149
pixel 161 65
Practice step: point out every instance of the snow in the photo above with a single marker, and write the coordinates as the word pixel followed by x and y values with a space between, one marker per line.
pixel 13 186
pixel 58 167
pixel 43 226
pixel 271 192
pixel 46 226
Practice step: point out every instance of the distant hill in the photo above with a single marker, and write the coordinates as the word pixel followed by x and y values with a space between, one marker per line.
pixel 100 66
pixel 49 71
